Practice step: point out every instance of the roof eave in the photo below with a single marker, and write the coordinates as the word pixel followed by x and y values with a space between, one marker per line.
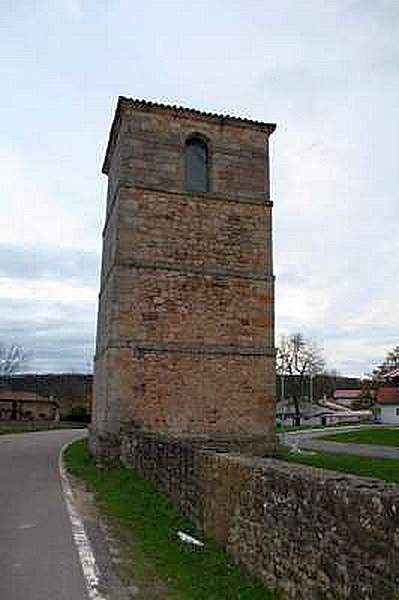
pixel 124 102
pixel 112 136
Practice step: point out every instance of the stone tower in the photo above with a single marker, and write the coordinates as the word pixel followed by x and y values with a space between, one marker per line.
pixel 185 335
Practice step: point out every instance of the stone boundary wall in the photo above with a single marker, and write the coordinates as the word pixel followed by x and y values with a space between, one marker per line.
pixel 309 533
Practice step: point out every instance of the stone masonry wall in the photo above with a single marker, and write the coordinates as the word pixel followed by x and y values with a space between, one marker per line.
pixel 309 533
pixel 185 328
pixel 203 230
pixel 213 263
pixel 229 394
pixel 146 151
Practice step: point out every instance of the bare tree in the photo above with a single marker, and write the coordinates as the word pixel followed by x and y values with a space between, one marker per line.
pixel 299 359
pixel 390 361
pixel 12 357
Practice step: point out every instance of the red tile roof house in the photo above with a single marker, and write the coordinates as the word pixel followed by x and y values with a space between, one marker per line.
pixel 26 406
pixel 387 403
pixel 346 397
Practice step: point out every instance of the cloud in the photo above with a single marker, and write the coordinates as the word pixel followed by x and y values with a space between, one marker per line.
pixel 57 335
pixel 41 205
pixel 48 303
pixel 324 71
pixel 27 262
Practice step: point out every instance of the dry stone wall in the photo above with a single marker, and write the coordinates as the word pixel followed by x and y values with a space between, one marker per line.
pixel 309 533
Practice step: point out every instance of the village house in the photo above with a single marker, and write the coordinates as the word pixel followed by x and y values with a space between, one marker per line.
pixel 346 397
pixel 72 391
pixel 27 406
pixel 386 407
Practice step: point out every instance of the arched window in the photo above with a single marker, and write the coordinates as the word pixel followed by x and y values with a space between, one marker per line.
pixel 196 165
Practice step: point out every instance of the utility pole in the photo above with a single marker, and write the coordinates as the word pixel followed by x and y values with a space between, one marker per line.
pixel 311 388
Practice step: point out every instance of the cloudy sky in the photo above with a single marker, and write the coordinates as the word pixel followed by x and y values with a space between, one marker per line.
pixel 326 71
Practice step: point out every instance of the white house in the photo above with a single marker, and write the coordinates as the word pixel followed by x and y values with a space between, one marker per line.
pixel 387 405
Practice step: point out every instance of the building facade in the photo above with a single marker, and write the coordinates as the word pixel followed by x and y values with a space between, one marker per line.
pixel 185 334
pixel 17 405
pixel 71 391
pixel 386 408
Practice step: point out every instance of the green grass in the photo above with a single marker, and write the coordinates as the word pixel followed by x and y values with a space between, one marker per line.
pixel 140 513
pixel 380 468
pixel 26 426
pixel 377 436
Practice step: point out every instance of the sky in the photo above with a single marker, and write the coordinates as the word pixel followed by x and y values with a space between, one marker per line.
pixel 325 71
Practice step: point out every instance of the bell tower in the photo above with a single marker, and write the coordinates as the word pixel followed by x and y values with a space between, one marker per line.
pixel 185 334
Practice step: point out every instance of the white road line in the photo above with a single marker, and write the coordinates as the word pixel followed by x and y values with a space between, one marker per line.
pixel 85 552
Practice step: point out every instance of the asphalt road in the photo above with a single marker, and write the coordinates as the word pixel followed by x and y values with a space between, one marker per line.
pixel 344 448
pixel 38 559
pixel 308 440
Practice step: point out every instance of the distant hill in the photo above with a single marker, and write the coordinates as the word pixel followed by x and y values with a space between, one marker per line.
pixel 322 384
pixel 73 391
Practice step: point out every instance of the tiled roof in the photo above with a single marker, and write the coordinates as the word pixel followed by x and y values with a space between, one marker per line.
pixel 388 395
pixel 147 105
pixel 21 396
pixel 192 112
pixel 391 374
pixel 350 394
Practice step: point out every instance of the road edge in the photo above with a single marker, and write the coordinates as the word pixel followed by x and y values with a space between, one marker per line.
pixel 87 559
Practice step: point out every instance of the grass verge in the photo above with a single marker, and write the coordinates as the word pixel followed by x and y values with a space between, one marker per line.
pixel 380 468
pixel 25 427
pixel 378 437
pixel 139 512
